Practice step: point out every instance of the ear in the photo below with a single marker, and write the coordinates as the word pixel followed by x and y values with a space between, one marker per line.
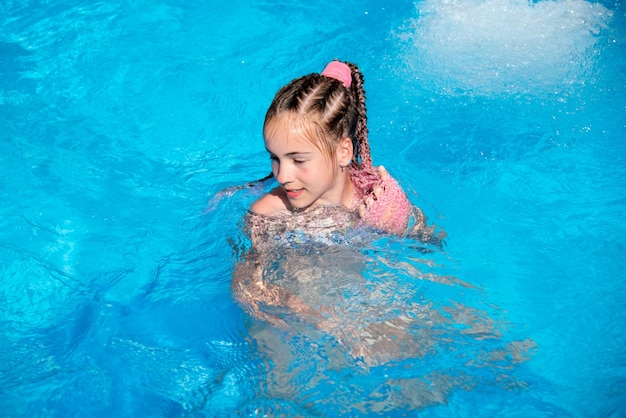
pixel 344 151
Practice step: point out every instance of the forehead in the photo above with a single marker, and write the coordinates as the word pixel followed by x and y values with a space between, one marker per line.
pixel 288 134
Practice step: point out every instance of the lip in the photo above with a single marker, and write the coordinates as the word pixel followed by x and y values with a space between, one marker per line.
pixel 292 194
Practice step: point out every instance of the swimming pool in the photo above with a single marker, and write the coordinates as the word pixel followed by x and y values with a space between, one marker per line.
pixel 121 121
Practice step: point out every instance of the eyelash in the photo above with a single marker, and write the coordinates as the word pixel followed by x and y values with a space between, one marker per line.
pixel 297 162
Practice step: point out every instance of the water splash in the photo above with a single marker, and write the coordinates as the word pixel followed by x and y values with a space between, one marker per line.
pixel 505 46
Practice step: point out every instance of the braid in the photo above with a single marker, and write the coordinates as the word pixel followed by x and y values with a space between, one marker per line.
pixel 362 171
pixel 362 147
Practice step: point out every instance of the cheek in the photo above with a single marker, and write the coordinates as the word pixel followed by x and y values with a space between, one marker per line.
pixel 329 168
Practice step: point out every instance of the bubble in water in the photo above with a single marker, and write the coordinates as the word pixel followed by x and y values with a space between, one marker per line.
pixel 492 46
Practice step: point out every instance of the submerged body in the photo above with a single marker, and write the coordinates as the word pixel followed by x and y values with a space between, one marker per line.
pixel 309 269
pixel 326 294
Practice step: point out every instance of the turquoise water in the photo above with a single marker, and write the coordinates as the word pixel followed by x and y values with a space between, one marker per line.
pixel 121 121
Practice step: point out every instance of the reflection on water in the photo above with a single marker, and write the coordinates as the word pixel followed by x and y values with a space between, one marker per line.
pixel 373 325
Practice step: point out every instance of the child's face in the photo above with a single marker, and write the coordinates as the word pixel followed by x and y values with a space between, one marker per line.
pixel 307 176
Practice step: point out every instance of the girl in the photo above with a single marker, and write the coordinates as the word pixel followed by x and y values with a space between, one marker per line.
pixel 331 305
pixel 316 134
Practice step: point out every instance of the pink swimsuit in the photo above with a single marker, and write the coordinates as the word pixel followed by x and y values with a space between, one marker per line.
pixel 392 210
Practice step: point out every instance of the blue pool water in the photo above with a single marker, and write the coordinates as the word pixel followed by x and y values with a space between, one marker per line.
pixel 120 122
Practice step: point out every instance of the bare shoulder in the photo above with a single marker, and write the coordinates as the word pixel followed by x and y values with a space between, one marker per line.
pixel 273 203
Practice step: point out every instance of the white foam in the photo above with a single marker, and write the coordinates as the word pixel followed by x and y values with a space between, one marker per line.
pixel 494 46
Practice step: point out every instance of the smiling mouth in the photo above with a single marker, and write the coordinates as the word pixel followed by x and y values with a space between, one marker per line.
pixel 293 193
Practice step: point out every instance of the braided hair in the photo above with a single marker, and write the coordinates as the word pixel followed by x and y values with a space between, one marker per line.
pixel 334 112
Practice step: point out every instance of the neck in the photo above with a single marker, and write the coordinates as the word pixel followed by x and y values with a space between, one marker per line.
pixel 347 195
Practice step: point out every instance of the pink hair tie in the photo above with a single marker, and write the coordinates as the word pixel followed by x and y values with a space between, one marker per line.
pixel 339 71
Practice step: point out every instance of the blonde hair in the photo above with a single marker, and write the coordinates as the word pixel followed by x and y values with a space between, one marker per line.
pixel 325 106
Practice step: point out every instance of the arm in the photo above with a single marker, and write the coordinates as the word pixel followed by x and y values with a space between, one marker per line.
pixel 253 294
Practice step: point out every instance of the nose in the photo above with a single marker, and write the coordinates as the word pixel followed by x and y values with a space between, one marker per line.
pixel 282 173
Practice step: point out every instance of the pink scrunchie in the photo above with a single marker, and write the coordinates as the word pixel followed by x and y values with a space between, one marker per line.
pixel 339 71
